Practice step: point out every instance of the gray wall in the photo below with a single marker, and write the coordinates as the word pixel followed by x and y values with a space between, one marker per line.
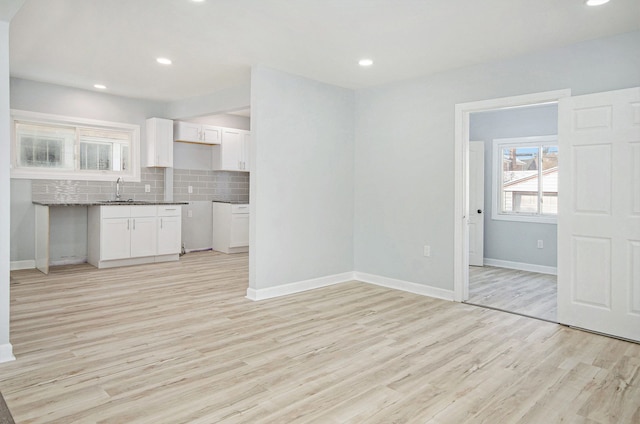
pixel 404 148
pixel 302 179
pixel 510 240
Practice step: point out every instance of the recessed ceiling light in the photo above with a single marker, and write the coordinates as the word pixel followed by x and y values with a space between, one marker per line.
pixel 100 86
pixel 365 62
pixel 198 1
pixel 163 61
pixel 596 2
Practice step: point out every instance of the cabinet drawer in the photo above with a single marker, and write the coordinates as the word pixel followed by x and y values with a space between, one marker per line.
pixel 115 211
pixel 169 210
pixel 140 211
pixel 240 208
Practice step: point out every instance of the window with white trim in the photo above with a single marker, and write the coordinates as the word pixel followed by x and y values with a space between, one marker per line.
pixel 525 183
pixel 60 147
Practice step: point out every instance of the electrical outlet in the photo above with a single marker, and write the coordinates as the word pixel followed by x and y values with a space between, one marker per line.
pixel 147 188
pixel 540 244
pixel 427 250
pixel 190 213
pixel 190 189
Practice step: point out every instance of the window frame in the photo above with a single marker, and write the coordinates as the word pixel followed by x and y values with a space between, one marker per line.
pixel 47 173
pixel 497 184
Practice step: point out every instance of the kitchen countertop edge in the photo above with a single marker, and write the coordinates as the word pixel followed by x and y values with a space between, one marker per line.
pixel 96 203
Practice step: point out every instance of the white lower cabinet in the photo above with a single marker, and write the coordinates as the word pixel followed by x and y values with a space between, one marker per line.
pixel 230 227
pixel 169 229
pixel 129 235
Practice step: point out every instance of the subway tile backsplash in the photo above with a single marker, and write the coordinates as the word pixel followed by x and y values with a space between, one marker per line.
pixel 206 186
pixel 210 185
pixel 89 191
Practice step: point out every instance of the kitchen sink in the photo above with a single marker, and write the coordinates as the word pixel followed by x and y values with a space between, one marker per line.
pixel 115 201
pixel 125 202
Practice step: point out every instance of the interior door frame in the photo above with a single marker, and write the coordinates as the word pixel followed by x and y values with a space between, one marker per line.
pixel 461 179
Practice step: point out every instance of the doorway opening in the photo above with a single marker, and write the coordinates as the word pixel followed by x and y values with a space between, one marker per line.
pixel 516 272
pixel 513 206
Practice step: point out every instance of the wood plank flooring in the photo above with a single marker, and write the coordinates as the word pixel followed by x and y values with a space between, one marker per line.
pixel 522 292
pixel 179 343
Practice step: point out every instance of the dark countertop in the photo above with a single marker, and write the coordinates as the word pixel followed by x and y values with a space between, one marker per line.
pixel 108 203
pixel 233 202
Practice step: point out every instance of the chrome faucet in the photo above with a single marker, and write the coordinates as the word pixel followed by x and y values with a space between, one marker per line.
pixel 118 182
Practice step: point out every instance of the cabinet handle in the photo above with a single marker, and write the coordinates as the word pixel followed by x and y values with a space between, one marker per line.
pixel 161 223
pixel 134 224
pixel 128 221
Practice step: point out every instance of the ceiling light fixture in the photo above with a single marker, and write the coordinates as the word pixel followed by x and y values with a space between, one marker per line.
pixel 100 86
pixel 164 61
pixel 596 2
pixel 365 62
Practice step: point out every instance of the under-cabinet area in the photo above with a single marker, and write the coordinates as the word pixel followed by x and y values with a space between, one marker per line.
pixel 129 235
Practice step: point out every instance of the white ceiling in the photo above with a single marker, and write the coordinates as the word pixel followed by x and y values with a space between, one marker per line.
pixel 213 44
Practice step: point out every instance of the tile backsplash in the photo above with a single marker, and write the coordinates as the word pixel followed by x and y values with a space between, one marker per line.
pixel 206 186
pixel 210 185
pixel 89 191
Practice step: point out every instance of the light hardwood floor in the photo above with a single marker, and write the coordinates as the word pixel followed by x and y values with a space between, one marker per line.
pixel 179 343
pixel 522 292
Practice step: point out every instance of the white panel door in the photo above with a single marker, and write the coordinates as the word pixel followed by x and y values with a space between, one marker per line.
pixel 476 203
pixel 599 213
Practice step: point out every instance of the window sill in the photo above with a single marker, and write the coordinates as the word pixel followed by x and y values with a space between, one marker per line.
pixel 526 218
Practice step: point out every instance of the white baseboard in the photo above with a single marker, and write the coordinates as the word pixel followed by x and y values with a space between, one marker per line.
pixel 301 286
pixel 6 353
pixel 407 286
pixel 297 287
pixel 18 265
pixel 542 269
pixel 68 261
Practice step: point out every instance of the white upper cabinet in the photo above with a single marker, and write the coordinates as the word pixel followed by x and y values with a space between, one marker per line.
pixel 159 142
pixel 211 135
pixel 233 152
pixel 196 133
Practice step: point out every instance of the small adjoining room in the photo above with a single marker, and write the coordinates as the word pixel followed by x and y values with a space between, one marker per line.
pixel 269 211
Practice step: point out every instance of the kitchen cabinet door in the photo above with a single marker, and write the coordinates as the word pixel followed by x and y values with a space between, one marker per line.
pixel 169 235
pixel 239 232
pixel 186 131
pixel 246 151
pixel 115 239
pixel 160 142
pixel 211 135
pixel 233 152
pixel 143 236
